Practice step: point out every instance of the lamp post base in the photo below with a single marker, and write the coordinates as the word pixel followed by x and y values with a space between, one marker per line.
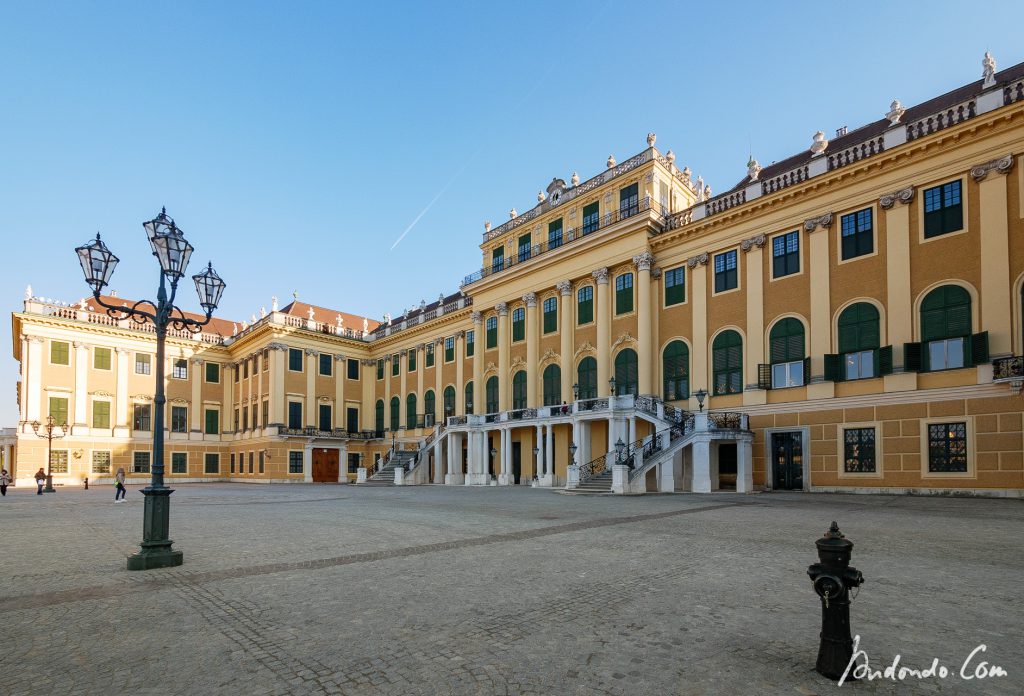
pixel 49 484
pixel 156 551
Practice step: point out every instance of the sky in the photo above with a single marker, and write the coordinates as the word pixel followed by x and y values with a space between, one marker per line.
pixel 295 143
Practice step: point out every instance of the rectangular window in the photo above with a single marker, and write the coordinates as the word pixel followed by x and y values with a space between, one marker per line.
pixel 140 462
pixel 238 373
pixel 380 368
pixel 725 271
pixel 266 359
pixel 585 305
pixel 212 372
pixel 947 448
pixel 101 358
pixel 232 460
pixel 179 462
pixel 179 369
pixel 946 354
pixel 470 343
pixel 60 353
pixel 790 374
pixel 429 358
pixel 353 463
pixel 449 349
pixel 353 368
pixel 325 417
pixel 295 359
pixel 550 315
pixel 59 461
pixel 860 364
pixel 250 462
pixel 525 246
pixel 857 234
pixel 263 460
pixel 101 462
pixel 211 463
pixel 295 462
pixel 326 364
pixel 396 366
pixel 498 259
pixel 411 366
pixel 143 364
pixel 785 254
pixel 675 286
pixel 591 218
pixel 555 234
pixel 492 332
pixel 101 414
pixel 179 419
pixel 859 450
pixel 943 210
pixel 59 409
pixel 295 415
pixel 245 418
pixel 212 423
pixel 236 421
pixel 629 201
pixel 624 293
pixel 518 324
pixel 266 413
pixel 245 369
pixel 141 417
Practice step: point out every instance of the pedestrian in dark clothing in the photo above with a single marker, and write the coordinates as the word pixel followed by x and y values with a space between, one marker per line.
pixel 40 480
pixel 5 481
pixel 120 490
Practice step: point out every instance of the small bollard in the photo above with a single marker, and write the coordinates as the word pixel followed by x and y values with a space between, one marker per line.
pixel 833 577
pixel 86 483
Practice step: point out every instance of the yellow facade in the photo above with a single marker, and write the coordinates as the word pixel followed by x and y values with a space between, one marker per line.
pixel 858 303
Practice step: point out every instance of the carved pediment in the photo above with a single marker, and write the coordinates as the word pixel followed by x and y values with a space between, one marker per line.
pixel 586 349
pixel 624 339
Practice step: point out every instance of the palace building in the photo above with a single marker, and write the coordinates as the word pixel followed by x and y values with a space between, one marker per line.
pixel 847 319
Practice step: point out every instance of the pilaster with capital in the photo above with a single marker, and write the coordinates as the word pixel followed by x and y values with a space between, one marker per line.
pixel 478 368
pixel 420 369
pixel 81 385
pixel 994 231
pixel 277 393
pixel 532 349
pixel 566 337
pixel 504 358
pixel 645 312
pixel 602 317
pixel 124 357
pixel 195 374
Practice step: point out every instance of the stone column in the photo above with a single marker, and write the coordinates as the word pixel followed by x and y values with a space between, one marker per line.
pixel 645 312
pixel 565 322
pixel 820 331
pixel 996 298
pixel 368 374
pixel 754 350
pixel 700 379
pixel 460 373
pixel 340 417
pixel 387 392
pixel 124 357
pixel 438 461
pixel 503 358
pixel 602 317
pixel 478 365
pixel 744 465
pixel 420 367
pixel 403 386
pixel 439 381
pixel 311 369
pixel 196 428
pixel 549 454
pixel 532 350
pixel 505 471
pixel 80 421
pixel 541 445
pixel 307 463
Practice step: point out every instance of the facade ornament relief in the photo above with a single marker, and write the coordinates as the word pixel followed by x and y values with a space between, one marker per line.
pixel 530 299
pixel 100 392
pixel 549 356
pixel 178 400
pixel 311 351
pixel 197 361
pixel 474 317
pixel 517 363
pixel 458 335
pixel 141 397
pixel 818 144
pixel 340 358
pixel 564 287
pixel 1002 165
pixel 903 196
pixel 757 240
pixel 601 276
pixel 896 112
pixel 502 308
pixel 822 221
pixel 687 173
pixel 367 362
pixel 651 139
pixel 586 349
pixel 988 71
pixel 277 346
pixel 643 261
pixel 701 259
pixel 671 157
pixel 611 161
pixel 753 168
pixel 624 339
pixel 655 273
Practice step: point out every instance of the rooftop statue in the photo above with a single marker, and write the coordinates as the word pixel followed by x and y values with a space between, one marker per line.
pixel 988 70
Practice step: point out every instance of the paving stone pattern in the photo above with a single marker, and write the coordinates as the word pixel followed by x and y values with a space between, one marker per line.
pixel 433 590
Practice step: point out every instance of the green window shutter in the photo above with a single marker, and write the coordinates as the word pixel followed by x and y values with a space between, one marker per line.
pixel 946 313
pixel 833 368
pixel 883 361
pixel 585 305
pixel 101 358
pixel 378 417
pixel 212 421
pixel 807 370
pixel 912 355
pixel 764 376
pixel 978 346
pixel 675 286
pixel 59 354
pixel 469 399
pixel 101 414
pixel 786 341
pixel 858 328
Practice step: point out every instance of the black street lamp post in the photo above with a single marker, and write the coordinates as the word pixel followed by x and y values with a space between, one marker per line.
pixel 48 428
pixel 172 251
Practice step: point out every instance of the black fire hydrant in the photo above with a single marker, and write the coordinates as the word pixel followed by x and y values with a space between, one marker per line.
pixel 833 578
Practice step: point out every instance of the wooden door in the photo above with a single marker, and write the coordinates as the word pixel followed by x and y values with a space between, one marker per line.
pixel 325 465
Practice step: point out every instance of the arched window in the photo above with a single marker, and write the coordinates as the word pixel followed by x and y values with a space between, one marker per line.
pixel 786 352
pixel 626 372
pixel 410 411
pixel 519 390
pixel 946 340
pixel 449 401
pixel 675 364
pixel 428 409
pixel 727 363
pixel 552 385
pixel 491 395
pixel 469 398
pixel 586 378
pixel 378 416
pixel 394 413
pixel 859 341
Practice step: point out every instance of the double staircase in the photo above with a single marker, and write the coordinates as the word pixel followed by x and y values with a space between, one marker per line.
pixel 385 475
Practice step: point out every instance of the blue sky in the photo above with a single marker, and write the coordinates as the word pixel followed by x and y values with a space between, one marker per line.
pixel 295 142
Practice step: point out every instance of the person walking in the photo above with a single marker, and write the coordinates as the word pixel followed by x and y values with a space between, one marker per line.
pixel 40 480
pixel 5 481
pixel 120 490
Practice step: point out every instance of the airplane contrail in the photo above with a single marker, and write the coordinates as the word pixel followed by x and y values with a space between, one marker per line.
pixel 434 200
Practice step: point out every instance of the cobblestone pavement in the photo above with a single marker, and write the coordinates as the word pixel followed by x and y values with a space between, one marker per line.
pixel 432 590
